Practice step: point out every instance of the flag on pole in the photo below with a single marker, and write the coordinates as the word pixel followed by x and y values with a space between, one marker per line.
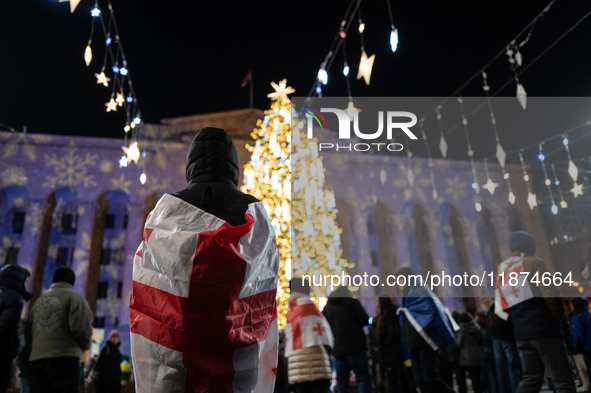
pixel 512 286
pixel 247 79
pixel 203 314
pixel 306 326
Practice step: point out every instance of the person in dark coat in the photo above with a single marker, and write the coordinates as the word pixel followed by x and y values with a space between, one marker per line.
pixel 388 337
pixel 109 366
pixel 347 317
pixel 537 324
pixel 12 297
pixel 425 360
pixel 488 374
pixel 505 352
pixel 469 342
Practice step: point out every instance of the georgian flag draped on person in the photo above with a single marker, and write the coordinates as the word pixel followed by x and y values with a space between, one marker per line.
pixel 306 326
pixel 203 312
pixel 429 317
pixel 511 291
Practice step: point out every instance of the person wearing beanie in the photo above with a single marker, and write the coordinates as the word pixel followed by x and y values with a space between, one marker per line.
pixel 308 340
pixel 12 297
pixel 109 365
pixel 59 329
pixel 537 324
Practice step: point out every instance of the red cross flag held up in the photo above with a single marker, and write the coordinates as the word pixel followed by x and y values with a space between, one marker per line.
pixel 203 314
pixel 512 287
pixel 306 326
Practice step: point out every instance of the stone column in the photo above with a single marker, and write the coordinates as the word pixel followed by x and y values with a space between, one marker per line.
pixel 135 227
pixel 31 231
pixel 86 210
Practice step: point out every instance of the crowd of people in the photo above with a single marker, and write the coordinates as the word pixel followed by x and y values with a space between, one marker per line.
pixel 54 337
pixel 541 340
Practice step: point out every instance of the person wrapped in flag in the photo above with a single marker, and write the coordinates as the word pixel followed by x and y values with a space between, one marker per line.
pixel 425 326
pixel 536 310
pixel 308 339
pixel 203 312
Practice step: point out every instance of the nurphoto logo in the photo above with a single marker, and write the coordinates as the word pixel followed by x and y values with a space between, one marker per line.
pixel 394 120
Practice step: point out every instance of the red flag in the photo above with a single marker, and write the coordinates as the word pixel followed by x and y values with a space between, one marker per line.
pixel 203 314
pixel 247 79
pixel 306 326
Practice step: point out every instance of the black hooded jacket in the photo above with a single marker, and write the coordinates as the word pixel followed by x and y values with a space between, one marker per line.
pixel 212 176
pixel 12 294
pixel 346 317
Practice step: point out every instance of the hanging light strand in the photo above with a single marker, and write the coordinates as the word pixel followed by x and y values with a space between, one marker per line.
pixel 475 184
pixel 547 181
pixel 430 160
pixel 442 143
pixel 531 197
pixel 563 203
pixel 394 32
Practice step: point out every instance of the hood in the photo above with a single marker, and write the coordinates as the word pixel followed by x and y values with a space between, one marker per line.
pixel 212 157
pixel 522 241
pixel 14 277
pixel 338 295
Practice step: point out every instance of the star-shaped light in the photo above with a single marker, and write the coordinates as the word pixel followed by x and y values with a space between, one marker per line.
pixel 531 200
pixel 563 204
pixel 73 4
pixel 281 91
pixel 120 99
pixel 512 198
pixel 365 66
pixel 111 105
pixel 490 186
pixel 102 78
pixel 87 55
pixel 133 152
pixel 123 162
pixel 352 111
pixel 577 189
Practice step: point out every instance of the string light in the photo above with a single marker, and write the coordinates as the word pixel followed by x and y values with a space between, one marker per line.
pixel 563 203
pixel 346 69
pixel 573 171
pixel 475 183
pixel 87 55
pixel 365 67
pixel 111 105
pixel 394 39
pixel 102 79
pixel 352 111
pixel 132 152
pixel 95 12
pixel 73 4
pixel 547 181
pixel 442 142
pixel 531 197
pixel 361 27
pixel 123 71
pixel 394 32
pixel 323 76
pixel 490 185
pixel 143 178
pixel 123 162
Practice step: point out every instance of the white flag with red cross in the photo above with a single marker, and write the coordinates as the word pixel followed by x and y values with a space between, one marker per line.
pixel 306 326
pixel 512 285
pixel 203 313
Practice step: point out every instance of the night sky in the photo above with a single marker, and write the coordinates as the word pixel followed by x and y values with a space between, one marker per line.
pixel 190 57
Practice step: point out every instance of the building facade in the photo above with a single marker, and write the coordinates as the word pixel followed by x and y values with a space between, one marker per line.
pixel 66 201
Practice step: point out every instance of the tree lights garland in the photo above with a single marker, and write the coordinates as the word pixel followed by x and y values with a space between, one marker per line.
pixel 309 212
pixel 547 181
pixel 563 203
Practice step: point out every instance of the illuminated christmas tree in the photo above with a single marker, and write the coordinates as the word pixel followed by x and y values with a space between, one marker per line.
pixel 268 176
